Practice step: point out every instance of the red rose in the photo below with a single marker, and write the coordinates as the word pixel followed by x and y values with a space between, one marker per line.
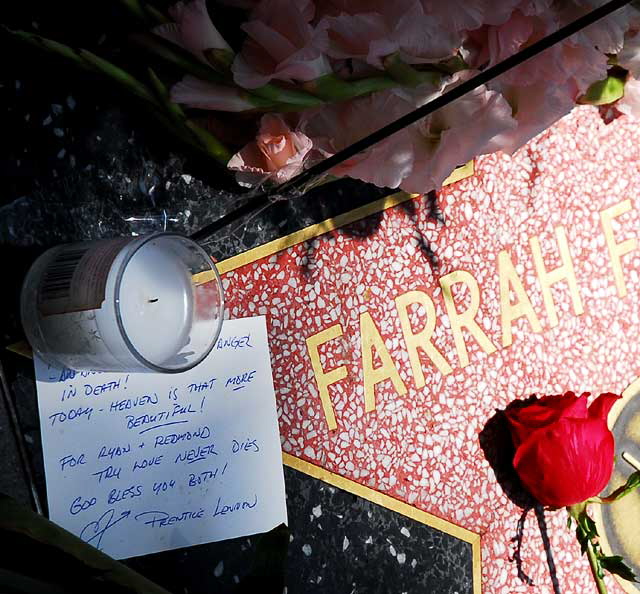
pixel 564 451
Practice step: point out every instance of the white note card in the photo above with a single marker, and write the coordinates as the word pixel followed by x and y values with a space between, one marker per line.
pixel 145 462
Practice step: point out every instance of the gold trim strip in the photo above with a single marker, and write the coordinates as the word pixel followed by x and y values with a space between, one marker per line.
pixel 397 506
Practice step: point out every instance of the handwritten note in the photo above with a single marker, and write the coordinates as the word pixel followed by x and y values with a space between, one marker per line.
pixel 140 463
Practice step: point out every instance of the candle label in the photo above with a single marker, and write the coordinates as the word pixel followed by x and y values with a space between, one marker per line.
pixel 76 278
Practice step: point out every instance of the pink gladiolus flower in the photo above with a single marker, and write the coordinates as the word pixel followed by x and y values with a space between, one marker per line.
pixel 386 28
pixel 461 15
pixel 193 92
pixel 280 45
pixel 455 134
pixel 277 154
pixel 535 108
pixel 629 56
pixel 336 126
pixel 193 29
pixel 630 102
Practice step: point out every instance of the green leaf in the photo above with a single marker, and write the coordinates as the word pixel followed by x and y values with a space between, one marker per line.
pixel 332 88
pixel 633 482
pixel 603 92
pixel 615 564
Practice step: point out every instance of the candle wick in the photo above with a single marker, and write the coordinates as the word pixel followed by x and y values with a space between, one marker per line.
pixel 153 300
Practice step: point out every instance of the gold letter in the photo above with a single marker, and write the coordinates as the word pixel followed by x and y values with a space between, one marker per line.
pixel 370 337
pixel 422 339
pixel 564 272
pixel 325 379
pixel 617 249
pixel 509 279
pixel 466 318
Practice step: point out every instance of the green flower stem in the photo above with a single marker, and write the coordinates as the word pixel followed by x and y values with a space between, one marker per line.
pixel 277 94
pixel 117 74
pixel 212 145
pixel 332 88
pixel 407 75
pixel 47 45
pixel 175 56
pixel 593 563
pixel 146 14
pixel 585 537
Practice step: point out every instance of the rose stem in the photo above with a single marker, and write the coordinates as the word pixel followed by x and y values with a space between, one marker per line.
pixel 632 460
pixel 591 554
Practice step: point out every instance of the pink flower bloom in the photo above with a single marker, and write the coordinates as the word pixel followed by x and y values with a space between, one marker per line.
pixel 280 45
pixel 535 108
pixel 455 134
pixel 575 60
pixel 461 15
pixel 630 102
pixel 193 92
pixel 193 29
pixel 277 154
pixel 339 125
pixel 386 28
pixel 629 56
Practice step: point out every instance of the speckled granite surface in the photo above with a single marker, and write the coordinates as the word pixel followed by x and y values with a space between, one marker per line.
pixel 75 166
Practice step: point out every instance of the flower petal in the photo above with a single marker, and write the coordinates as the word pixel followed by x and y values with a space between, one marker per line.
pixel 600 407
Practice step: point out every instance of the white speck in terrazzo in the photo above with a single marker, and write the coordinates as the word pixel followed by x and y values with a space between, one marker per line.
pixel 47 120
pixel 187 178
pixel 71 103
pixel 306 549
pixel 345 544
pixel 61 153
pixel 402 557
pixel 236 579
pixel 414 563
pixel 392 550
pixel 56 108
pixel 317 511
pixel 405 532
pixel 218 571
pixel 369 540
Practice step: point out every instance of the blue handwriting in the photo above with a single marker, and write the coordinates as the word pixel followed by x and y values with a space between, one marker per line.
pixel 94 531
pixel 117 495
pixel 240 381
pixel 205 476
pixel 147 463
pixel 74 413
pixel 196 454
pixel 171 438
pixel 163 486
pixel 80 504
pixel 108 473
pixel 201 386
pixel 158 519
pixel 234 342
pixel 223 509
pixel 71 461
pixel 129 403
pixel 248 445
pixel 114 451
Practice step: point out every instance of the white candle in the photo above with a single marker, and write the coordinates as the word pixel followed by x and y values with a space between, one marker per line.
pixel 123 305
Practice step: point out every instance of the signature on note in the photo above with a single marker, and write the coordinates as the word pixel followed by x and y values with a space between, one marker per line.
pixel 95 530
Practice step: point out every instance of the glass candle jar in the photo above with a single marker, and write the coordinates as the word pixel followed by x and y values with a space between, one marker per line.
pixel 150 303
